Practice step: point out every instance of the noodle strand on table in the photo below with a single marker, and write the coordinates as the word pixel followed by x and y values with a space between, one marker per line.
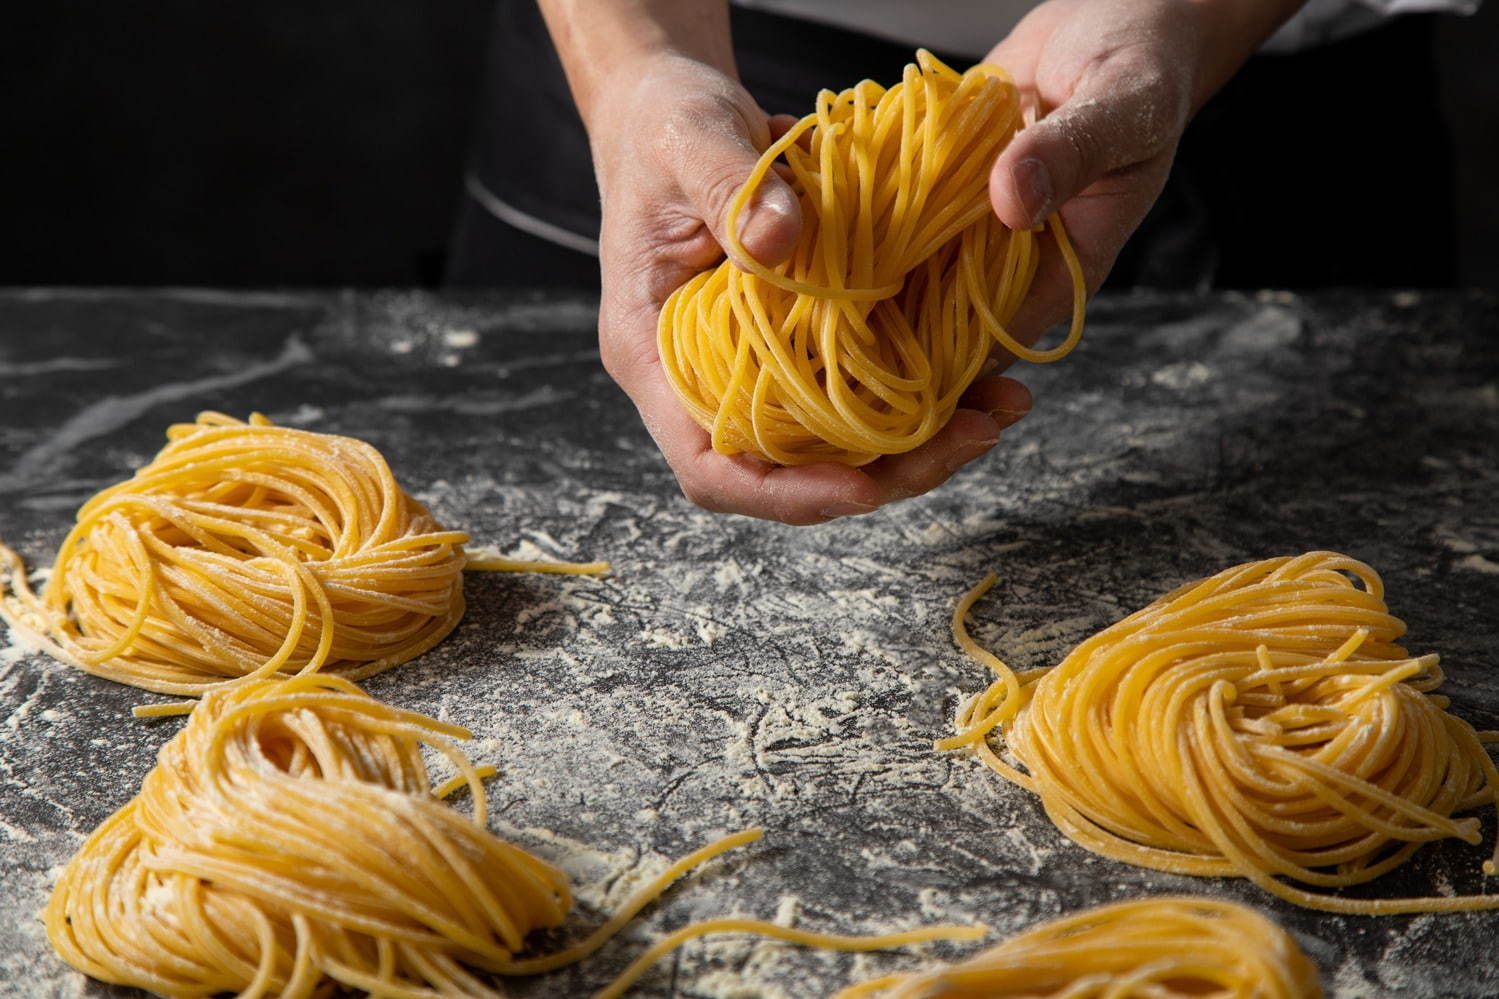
pixel 1160 948
pixel 1262 723
pixel 246 550
pixel 901 285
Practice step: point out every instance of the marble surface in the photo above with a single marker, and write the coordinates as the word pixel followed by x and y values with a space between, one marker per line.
pixel 731 672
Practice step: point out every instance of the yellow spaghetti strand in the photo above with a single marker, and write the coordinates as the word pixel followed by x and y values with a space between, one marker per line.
pixel 245 550
pixel 530 565
pixel 1160 948
pixel 289 839
pixel 457 781
pixel 1261 723
pixel 902 284
pixel 834 941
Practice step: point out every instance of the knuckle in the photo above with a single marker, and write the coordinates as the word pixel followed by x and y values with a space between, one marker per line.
pixel 1162 111
pixel 718 188
pixel 1154 95
pixel 1082 140
pixel 697 120
pixel 1141 101
pixel 710 152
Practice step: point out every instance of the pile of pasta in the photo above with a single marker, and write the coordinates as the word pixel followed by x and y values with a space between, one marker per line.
pixel 290 836
pixel 244 550
pixel 902 283
pixel 1261 723
pixel 1162 948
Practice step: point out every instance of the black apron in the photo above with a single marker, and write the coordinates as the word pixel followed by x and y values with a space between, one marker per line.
pixel 1285 179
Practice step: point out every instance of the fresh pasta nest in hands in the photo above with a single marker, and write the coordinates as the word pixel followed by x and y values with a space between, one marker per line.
pixel 244 550
pixel 902 283
pixel 1160 948
pixel 1260 723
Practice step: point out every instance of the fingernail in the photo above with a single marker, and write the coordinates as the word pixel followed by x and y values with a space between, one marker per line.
pixel 968 451
pixel 848 509
pixel 769 210
pixel 1007 417
pixel 1033 184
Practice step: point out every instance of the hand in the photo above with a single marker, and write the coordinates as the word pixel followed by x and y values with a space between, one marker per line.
pixel 671 150
pixel 1118 82
pixel 674 137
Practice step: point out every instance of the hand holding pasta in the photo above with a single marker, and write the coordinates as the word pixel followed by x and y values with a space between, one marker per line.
pixel 901 286
pixel 1118 83
pixel 675 138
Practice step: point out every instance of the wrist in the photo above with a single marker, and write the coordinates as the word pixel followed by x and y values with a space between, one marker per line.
pixel 1230 31
pixel 607 45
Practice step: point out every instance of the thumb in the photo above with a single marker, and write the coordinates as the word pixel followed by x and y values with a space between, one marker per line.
pixel 1119 115
pixel 713 176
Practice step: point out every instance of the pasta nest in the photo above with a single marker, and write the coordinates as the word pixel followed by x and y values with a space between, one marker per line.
pixel 1160 948
pixel 902 283
pixel 1261 723
pixel 243 550
pixel 289 833
pixel 289 838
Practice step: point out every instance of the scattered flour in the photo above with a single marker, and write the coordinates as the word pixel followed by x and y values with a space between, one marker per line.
pixel 1478 563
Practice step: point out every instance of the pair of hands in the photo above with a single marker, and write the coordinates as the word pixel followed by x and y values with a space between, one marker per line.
pixel 674 136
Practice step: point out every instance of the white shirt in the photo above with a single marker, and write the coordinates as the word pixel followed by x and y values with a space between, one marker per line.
pixel 972 27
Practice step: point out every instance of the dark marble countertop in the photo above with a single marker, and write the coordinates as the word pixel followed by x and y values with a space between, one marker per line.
pixel 731 672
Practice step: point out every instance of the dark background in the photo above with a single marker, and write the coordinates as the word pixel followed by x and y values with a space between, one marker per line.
pixel 280 143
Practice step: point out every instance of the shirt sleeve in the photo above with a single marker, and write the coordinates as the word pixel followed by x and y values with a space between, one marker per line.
pixel 1322 21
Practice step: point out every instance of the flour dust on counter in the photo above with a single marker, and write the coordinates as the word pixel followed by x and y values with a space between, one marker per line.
pixel 829 672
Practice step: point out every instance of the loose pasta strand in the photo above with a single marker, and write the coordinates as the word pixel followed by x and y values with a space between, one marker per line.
pixel 901 286
pixel 1262 723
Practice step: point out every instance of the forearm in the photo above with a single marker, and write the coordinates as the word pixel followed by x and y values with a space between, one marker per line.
pixel 1230 32
pixel 600 39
